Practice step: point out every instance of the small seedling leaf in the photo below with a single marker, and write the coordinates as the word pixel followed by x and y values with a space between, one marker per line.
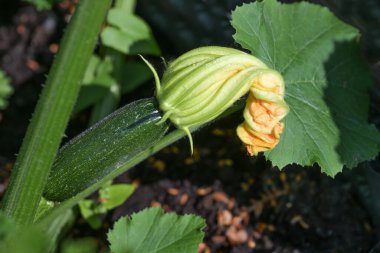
pixel 114 195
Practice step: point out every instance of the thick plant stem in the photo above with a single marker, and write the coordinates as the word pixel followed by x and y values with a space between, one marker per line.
pixel 52 112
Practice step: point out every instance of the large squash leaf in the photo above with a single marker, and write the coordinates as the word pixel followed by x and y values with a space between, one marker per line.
pixel 326 82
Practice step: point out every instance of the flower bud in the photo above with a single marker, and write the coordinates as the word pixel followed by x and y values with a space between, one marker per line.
pixel 201 84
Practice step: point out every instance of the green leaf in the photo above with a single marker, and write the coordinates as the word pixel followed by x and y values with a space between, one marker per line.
pixel 110 196
pixel 155 232
pixel 90 73
pixel 99 79
pixel 128 34
pixel 90 211
pixel 43 4
pixel 114 195
pixel 103 75
pixel 86 245
pixel 99 72
pixel 6 225
pixel 326 82
pixel 16 239
pixel 58 228
pixel 5 90
pixel 86 208
pixel 89 95
pixel 43 207
pixel 97 82
pixel 134 75
pixel 31 240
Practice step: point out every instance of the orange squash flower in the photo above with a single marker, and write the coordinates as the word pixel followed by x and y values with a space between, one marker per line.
pixel 262 128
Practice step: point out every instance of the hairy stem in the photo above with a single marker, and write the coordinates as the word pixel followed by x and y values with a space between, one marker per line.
pixel 52 112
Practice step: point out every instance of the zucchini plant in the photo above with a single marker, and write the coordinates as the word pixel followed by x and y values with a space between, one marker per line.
pixel 304 106
pixel 196 88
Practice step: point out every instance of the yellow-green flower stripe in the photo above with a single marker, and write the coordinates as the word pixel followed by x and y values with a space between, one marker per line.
pixel 202 83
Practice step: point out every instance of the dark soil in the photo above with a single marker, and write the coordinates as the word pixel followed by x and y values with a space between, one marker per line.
pixel 248 205
pixel 28 41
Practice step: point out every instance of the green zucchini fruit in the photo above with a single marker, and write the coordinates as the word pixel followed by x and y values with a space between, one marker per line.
pixel 103 148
